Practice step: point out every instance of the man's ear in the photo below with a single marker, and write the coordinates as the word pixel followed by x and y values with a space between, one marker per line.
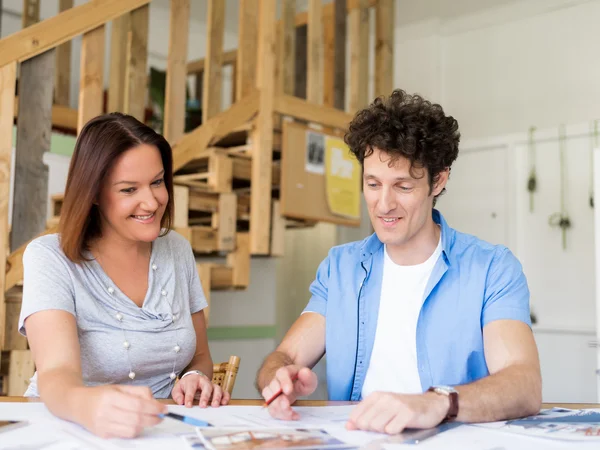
pixel 441 181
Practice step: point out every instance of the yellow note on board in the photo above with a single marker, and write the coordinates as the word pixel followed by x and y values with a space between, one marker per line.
pixel 342 179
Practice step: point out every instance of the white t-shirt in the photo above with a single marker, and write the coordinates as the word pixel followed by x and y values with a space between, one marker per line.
pixel 393 365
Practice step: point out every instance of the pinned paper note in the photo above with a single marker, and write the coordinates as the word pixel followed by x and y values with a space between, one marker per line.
pixel 342 179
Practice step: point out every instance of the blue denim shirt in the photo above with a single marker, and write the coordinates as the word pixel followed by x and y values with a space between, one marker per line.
pixel 472 284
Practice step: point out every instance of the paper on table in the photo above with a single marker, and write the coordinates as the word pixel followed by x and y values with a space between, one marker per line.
pixel 38 435
pixel 557 424
pixel 258 417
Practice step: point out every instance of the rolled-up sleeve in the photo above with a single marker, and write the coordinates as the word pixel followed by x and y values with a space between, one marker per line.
pixel 507 293
pixel 319 289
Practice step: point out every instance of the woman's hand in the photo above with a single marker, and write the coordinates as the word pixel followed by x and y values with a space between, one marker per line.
pixel 186 388
pixel 116 411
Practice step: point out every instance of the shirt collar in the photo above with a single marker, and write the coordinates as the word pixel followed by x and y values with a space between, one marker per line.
pixel 372 244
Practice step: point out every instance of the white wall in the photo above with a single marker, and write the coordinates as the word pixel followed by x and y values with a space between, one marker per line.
pixel 500 71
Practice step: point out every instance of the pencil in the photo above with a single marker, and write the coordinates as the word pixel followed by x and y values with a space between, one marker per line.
pixel 186 419
pixel 277 394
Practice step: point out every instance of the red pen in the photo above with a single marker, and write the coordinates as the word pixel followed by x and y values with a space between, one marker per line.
pixel 277 394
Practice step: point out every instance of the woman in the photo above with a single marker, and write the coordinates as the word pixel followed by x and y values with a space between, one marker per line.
pixel 112 305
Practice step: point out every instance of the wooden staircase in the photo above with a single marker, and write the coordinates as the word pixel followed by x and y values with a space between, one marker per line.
pixel 227 172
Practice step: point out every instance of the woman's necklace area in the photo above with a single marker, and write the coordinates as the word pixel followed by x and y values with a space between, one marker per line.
pixel 127 344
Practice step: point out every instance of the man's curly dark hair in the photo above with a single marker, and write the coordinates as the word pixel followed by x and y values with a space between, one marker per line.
pixel 408 126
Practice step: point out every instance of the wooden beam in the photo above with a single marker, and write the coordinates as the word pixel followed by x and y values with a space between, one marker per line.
pixel 314 80
pixel 288 61
pixel 277 230
pixel 339 66
pixel 53 31
pixel 197 65
pixel 262 136
pixel 91 78
pixel 239 261
pixel 31 13
pixel 213 79
pixel 247 48
pixel 194 143
pixel 175 89
pixel 328 62
pixel 301 109
pixel 136 76
pixel 62 76
pixel 8 79
pixel 359 56
pixel 118 60
pixel 34 128
pixel 227 221
pixel 62 116
pixel 384 47
pixel 181 202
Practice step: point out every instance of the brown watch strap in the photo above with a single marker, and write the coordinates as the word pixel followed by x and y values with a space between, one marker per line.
pixel 453 408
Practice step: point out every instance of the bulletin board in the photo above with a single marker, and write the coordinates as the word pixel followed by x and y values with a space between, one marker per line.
pixel 320 179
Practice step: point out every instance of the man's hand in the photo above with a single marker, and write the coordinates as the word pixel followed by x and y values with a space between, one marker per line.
pixel 305 384
pixel 390 413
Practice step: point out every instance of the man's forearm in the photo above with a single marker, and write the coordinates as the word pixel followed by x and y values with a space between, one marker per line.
pixel 270 365
pixel 515 391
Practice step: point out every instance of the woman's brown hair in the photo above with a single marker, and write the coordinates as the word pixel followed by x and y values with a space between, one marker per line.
pixel 101 141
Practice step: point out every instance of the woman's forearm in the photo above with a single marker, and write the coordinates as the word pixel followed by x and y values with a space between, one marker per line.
pixel 61 390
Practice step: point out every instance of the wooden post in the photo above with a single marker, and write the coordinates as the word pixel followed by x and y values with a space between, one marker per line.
pixel 384 47
pixel 181 201
pixel 34 128
pixel 31 12
pixel 91 79
pixel 20 370
pixel 239 260
pixel 118 60
pixel 288 69
pixel 204 274
pixel 62 77
pixel 262 136
pixel 301 61
pixel 8 79
pixel 227 221
pixel 175 92
pixel 329 61
pixel 314 82
pixel 277 230
pixel 136 76
pixel 339 66
pixel 213 80
pixel 359 56
pixel 247 45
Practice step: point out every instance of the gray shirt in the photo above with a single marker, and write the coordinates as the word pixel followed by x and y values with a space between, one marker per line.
pixel 116 336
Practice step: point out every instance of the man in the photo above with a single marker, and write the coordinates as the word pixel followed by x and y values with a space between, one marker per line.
pixel 418 306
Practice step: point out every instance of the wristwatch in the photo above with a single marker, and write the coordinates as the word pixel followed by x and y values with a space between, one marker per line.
pixel 452 395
